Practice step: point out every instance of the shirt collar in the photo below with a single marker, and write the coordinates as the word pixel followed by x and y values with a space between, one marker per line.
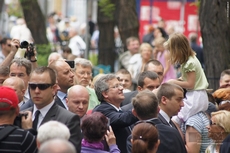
pixel 44 110
pixel 61 95
pixel 118 109
pixel 166 117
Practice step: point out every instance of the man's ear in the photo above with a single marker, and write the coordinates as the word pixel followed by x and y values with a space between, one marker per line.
pixel 157 144
pixel 164 100
pixel 38 144
pixel 134 112
pixel 67 100
pixel 104 94
pixel 139 88
pixel 17 111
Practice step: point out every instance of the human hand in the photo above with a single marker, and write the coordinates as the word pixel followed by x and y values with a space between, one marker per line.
pixel 110 137
pixel 15 44
pixel 27 122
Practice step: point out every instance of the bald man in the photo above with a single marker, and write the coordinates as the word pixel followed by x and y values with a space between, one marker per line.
pixel 18 85
pixel 54 56
pixel 78 100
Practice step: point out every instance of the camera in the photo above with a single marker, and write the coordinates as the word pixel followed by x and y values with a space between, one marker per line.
pixel 29 49
pixel 18 119
pixel 71 63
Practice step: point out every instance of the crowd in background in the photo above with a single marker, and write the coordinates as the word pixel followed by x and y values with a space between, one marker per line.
pixel 157 100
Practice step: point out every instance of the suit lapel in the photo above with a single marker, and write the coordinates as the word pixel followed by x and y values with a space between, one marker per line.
pixel 162 119
pixel 50 114
pixel 59 102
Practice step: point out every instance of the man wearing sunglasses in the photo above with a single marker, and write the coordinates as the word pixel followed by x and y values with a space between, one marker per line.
pixel 5 48
pixel 43 87
pixel 146 109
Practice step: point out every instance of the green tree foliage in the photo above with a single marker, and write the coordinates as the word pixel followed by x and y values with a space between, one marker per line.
pixel 107 8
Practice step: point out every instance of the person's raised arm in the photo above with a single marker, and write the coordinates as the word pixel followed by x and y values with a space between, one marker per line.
pixel 14 48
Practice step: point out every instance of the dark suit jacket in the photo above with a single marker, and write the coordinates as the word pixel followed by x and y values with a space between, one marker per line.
pixel 225 146
pixel 128 97
pixel 119 121
pixel 162 119
pixel 170 139
pixel 71 120
pixel 30 103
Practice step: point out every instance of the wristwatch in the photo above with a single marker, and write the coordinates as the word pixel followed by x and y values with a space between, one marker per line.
pixel 34 60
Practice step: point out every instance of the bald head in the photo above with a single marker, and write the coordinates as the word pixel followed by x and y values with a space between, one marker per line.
pixel 78 100
pixel 65 76
pixel 17 84
pixel 53 57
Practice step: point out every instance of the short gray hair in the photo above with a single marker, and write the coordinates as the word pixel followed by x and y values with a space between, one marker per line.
pixel 57 145
pixel 101 85
pixel 23 62
pixel 51 130
pixel 83 62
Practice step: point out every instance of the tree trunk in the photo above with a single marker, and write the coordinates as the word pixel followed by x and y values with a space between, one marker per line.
pixel 127 19
pixel 1 5
pixel 215 32
pixel 35 20
pixel 106 44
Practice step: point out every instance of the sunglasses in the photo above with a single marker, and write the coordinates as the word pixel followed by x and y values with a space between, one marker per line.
pixel 44 86
pixel 211 123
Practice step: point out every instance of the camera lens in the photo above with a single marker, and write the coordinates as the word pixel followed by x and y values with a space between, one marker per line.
pixel 24 44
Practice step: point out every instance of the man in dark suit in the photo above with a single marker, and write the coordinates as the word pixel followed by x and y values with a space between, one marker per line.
pixel 65 79
pixel 43 88
pixel 146 80
pixel 146 109
pixel 110 92
pixel 151 65
pixel 170 98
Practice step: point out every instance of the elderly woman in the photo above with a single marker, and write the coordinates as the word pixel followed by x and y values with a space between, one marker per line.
pixel 137 61
pixel 218 129
pixel 95 128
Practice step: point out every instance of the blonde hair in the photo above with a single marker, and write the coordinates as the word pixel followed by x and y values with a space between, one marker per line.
pixel 159 41
pixel 146 45
pixel 179 48
pixel 222 119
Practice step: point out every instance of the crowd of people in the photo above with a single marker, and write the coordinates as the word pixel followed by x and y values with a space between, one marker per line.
pixel 141 108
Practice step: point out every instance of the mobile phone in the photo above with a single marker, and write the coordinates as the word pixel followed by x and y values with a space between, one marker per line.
pixel 71 63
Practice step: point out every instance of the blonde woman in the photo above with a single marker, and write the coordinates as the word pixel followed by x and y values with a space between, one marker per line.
pixel 138 61
pixel 218 130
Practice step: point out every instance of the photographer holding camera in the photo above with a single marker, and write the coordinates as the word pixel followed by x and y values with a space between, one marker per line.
pixel 30 53
pixel 17 140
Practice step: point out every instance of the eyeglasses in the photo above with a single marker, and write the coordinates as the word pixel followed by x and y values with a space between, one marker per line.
pixel 117 86
pixel 44 86
pixel 83 73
